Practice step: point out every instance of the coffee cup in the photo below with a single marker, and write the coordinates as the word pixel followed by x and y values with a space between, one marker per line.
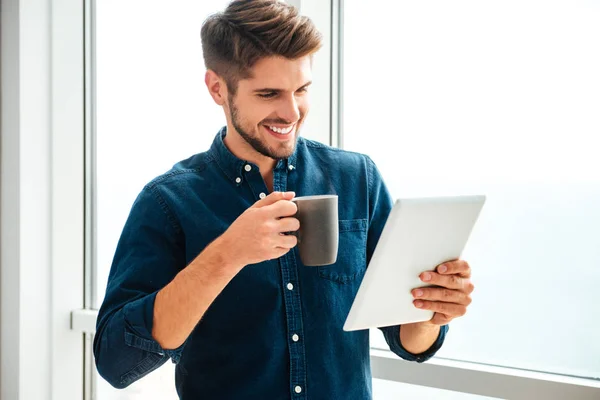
pixel 318 236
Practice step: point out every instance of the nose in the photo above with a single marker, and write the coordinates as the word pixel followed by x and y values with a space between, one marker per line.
pixel 289 109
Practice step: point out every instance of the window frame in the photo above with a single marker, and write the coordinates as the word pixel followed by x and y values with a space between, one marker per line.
pixel 42 189
pixel 482 379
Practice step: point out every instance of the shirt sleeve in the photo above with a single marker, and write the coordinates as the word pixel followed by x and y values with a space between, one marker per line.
pixel 149 255
pixel 380 206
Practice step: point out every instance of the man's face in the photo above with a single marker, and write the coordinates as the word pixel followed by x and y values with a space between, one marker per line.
pixel 269 108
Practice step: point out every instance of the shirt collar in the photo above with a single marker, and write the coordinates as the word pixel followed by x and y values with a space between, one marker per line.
pixel 233 167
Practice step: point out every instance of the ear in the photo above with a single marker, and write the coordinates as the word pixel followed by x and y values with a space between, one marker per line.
pixel 216 87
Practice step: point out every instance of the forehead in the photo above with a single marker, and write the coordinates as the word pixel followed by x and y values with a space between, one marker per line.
pixel 279 73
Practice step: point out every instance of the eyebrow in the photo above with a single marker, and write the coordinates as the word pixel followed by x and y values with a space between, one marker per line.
pixel 263 90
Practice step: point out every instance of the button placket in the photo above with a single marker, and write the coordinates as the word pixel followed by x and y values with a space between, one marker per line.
pixel 293 308
pixel 254 179
pixel 293 311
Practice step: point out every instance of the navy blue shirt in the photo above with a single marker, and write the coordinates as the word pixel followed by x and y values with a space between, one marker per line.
pixel 275 332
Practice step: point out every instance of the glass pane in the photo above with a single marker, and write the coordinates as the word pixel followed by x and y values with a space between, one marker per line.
pixel 390 390
pixel 498 98
pixel 152 111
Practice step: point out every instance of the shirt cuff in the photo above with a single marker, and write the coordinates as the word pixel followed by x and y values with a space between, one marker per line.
pixel 392 337
pixel 139 317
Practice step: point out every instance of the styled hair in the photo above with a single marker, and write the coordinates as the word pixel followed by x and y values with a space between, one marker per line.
pixel 248 30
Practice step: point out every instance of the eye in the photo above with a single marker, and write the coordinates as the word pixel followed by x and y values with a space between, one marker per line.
pixel 267 95
pixel 302 90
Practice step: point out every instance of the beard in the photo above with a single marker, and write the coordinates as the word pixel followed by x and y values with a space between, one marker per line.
pixel 258 144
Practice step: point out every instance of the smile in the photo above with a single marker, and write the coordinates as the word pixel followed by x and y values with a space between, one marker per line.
pixel 281 131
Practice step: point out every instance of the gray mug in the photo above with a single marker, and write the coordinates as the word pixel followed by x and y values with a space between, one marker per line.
pixel 318 235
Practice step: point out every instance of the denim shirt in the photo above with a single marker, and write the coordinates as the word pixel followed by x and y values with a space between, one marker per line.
pixel 275 332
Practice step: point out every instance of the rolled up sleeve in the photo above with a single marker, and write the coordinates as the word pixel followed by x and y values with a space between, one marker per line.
pixel 149 255
pixel 392 337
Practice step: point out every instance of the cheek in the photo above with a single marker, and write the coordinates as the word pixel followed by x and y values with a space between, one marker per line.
pixel 258 113
pixel 251 110
pixel 303 111
pixel 303 107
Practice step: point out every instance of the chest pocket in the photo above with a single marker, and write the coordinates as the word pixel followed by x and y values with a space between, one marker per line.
pixel 351 260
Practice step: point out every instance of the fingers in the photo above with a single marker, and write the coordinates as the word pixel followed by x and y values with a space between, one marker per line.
pixel 287 242
pixel 459 267
pixel 276 246
pixel 288 225
pixel 282 208
pixel 279 252
pixel 447 281
pixel 449 295
pixel 273 198
pixel 441 294
pixel 449 309
pixel 440 319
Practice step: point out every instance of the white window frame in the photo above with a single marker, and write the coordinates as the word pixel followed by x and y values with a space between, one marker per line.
pixel 482 379
pixel 42 199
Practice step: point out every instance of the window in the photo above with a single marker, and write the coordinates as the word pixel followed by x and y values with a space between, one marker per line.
pixel 497 98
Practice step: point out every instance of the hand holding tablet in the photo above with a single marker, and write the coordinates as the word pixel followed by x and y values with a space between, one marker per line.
pixel 420 234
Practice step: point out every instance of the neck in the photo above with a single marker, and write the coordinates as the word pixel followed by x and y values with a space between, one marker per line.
pixel 244 151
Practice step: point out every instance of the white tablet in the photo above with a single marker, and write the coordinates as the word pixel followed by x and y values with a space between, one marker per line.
pixel 420 234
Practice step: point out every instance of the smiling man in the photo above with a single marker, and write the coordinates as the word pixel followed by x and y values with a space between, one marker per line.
pixel 203 273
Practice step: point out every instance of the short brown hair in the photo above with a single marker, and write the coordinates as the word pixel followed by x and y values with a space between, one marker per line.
pixel 248 30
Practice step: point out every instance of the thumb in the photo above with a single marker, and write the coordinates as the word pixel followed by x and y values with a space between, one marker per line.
pixel 273 198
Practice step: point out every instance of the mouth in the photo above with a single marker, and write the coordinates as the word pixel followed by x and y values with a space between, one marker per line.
pixel 281 132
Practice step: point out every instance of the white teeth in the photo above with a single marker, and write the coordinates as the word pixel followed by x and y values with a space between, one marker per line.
pixel 282 131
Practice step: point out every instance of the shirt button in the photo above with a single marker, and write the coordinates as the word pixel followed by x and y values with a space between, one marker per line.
pixel 248 168
pixel 290 286
pixel 290 167
pixel 295 337
pixel 238 180
pixel 298 389
pixel 262 195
